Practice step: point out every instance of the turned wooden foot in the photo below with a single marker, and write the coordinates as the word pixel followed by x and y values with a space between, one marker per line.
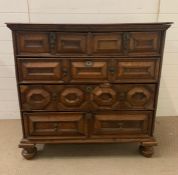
pixel 29 151
pixel 146 151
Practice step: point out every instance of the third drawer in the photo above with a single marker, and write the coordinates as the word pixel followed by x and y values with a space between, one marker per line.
pixel 87 97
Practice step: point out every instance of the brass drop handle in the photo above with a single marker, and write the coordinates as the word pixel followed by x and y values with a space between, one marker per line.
pixel 120 124
pixel 126 39
pixel 88 115
pixel 54 96
pixel 122 96
pixel 88 89
pixel 52 39
pixel 65 72
pixel 56 126
pixel 88 63
pixel 112 70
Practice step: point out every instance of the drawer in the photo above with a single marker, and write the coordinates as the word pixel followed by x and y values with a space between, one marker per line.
pixel 63 125
pixel 136 70
pixel 40 70
pixel 87 97
pixel 33 43
pixel 71 43
pixel 89 70
pixel 54 97
pixel 123 96
pixel 107 43
pixel 144 43
pixel 121 124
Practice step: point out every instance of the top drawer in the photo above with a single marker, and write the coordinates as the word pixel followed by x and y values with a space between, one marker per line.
pixel 143 43
pixel 75 43
pixel 51 43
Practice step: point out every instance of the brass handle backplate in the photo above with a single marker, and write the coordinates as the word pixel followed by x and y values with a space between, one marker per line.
pixel 126 40
pixel 88 63
pixel 52 39
pixel 88 89
pixel 112 70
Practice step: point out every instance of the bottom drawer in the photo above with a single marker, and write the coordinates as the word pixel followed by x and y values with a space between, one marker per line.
pixel 121 124
pixel 65 125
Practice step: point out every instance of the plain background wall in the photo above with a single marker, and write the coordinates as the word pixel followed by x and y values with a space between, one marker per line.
pixel 89 11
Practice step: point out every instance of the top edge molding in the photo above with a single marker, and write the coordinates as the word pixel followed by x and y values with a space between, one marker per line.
pixel 89 27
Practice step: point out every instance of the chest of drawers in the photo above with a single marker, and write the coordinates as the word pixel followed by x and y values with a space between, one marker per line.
pixel 88 83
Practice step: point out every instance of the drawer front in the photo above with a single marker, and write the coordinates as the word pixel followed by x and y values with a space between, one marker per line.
pixel 87 97
pixel 89 70
pixel 71 43
pixel 63 125
pixel 136 70
pixel 54 97
pixel 107 43
pixel 123 97
pixel 30 43
pixel 121 124
pixel 40 70
pixel 144 43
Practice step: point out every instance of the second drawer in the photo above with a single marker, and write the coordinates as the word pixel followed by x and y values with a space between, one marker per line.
pixel 88 70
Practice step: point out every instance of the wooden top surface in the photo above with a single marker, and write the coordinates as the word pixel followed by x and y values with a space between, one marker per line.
pixel 90 27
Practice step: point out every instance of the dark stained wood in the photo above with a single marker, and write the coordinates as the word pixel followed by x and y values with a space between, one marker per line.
pixel 88 83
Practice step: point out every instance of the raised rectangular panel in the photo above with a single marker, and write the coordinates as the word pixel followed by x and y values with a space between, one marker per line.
pixel 110 43
pixel 71 43
pixel 144 43
pixel 32 43
pixel 140 70
pixel 120 124
pixel 44 70
pixel 89 70
pixel 63 125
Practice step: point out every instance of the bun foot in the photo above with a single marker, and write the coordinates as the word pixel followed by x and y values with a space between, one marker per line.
pixel 146 151
pixel 29 152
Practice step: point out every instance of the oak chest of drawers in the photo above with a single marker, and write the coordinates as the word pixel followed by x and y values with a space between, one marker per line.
pixel 88 83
